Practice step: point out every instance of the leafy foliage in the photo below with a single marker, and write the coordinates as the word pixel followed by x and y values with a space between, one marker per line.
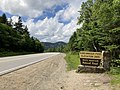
pixel 16 37
pixel 72 60
pixel 100 20
pixel 115 73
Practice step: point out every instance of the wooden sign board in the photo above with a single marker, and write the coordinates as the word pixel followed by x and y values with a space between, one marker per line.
pixel 90 58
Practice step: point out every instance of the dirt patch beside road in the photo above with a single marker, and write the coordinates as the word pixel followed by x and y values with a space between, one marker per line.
pixel 51 74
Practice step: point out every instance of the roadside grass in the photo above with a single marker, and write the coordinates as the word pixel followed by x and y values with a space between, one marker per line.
pixel 5 54
pixel 72 60
pixel 115 73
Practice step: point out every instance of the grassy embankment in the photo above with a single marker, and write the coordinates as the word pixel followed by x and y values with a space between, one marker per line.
pixel 5 54
pixel 73 61
pixel 115 74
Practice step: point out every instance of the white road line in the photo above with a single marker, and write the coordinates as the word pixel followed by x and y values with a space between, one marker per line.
pixel 22 66
pixel 15 59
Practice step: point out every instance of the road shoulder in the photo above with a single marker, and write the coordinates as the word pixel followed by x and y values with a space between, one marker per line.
pixel 51 74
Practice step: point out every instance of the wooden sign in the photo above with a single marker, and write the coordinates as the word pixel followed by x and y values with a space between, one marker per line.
pixel 90 58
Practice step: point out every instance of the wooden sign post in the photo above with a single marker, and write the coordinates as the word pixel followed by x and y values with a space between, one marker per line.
pixel 98 61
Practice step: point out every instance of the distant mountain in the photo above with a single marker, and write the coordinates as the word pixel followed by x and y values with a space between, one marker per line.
pixel 48 45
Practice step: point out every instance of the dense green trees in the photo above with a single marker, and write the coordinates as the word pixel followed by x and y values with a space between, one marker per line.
pixel 56 49
pixel 100 20
pixel 16 37
pixel 3 19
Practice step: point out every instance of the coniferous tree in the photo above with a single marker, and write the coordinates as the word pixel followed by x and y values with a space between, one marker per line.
pixel 17 38
pixel 4 18
pixel 19 26
pixel 100 20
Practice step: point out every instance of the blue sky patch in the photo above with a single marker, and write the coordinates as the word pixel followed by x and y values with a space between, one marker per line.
pixel 7 14
pixel 50 13
pixel 1 12
pixel 24 18
pixel 63 19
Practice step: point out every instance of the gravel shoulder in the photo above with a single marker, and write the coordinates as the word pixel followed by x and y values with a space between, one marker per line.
pixel 51 74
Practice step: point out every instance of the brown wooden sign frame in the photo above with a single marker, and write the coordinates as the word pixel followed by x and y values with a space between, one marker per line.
pixel 90 58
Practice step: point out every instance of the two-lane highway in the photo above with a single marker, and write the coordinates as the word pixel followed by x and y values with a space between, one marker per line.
pixel 8 64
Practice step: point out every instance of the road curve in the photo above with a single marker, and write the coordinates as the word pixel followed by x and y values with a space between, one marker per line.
pixel 8 64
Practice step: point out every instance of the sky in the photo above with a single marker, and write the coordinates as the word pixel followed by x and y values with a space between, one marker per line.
pixel 47 20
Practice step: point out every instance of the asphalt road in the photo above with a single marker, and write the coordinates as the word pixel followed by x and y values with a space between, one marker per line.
pixel 8 64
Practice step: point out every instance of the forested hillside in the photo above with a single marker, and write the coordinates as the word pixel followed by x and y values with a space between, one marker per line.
pixel 100 21
pixel 16 38
pixel 54 47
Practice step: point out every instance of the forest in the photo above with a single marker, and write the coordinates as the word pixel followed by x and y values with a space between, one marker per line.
pixel 14 37
pixel 99 28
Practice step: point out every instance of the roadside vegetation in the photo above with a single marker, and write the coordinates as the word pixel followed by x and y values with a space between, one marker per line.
pixel 115 73
pixel 99 22
pixel 15 38
pixel 72 60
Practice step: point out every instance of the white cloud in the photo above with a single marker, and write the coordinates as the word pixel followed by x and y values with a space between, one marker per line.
pixel 31 8
pixel 72 10
pixel 14 19
pixel 46 30
pixel 49 29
